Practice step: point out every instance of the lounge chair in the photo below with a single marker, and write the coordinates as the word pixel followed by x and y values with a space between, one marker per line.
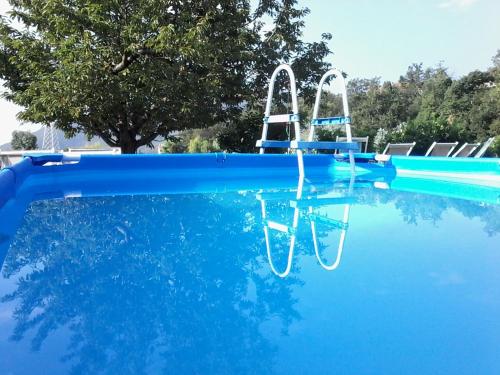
pixel 466 150
pixel 441 149
pixel 485 147
pixel 363 141
pixel 399 148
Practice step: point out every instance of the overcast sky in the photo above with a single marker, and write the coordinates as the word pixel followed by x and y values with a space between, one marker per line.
pixel 382 37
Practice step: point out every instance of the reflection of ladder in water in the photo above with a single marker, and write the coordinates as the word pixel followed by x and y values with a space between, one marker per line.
pixel 306 207
pixel 290 230
pixel 337 224
pixel 310 144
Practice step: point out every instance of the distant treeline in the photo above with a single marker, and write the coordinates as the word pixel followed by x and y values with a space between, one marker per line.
pixel 424 105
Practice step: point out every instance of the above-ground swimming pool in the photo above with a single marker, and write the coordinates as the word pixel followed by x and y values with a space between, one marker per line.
pixel 233 264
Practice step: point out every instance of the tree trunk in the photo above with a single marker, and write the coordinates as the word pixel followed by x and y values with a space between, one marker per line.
pixel 129 147
pixel 127 141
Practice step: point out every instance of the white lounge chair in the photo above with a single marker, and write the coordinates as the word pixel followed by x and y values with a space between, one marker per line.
pixel 485 147
pixel 441 149
pixel 363 141
pixel 399 148
pixel 466 150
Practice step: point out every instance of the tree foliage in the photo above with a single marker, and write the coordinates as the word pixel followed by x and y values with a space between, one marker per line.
pixel 426 105
pixel 23 140
pixel 129 71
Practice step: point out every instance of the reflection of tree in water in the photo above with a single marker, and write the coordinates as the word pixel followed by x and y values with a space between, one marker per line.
pixel 149 283
pixel 174 284
pixel 415 207
pixel 488 214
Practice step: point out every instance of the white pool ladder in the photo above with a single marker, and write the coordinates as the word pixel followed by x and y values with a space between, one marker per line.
pixel 294 117
pixel 288 118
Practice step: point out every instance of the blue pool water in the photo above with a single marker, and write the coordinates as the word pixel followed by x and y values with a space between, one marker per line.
pixel 182 284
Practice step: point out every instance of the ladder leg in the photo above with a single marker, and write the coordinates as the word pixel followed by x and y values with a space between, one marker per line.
pixel 311 134
pixel 264 136
pixel 351 162
pixel 300 161
pixel 296 216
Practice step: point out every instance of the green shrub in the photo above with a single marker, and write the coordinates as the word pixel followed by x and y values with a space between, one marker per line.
pixel 192 141
pixel 173 146
pixel 494 149
pixel 199 145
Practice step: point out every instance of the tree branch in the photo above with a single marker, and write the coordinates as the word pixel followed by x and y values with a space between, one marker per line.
pixel 128 59
pixel 105 137
pixel 147 140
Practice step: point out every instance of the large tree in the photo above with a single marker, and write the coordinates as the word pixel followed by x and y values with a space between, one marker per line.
pixel 131 70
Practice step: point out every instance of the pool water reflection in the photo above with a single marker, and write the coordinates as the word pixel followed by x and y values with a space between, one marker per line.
pixel 183 283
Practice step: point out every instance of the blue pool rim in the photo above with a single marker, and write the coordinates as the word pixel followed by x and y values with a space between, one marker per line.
pixel 485 171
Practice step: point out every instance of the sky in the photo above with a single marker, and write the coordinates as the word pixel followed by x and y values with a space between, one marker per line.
pixel 381 38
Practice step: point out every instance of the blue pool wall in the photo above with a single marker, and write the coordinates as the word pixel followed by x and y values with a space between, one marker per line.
pixel 35 170
pixel 480 167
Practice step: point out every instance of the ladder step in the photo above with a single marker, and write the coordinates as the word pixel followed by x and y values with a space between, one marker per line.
pixel 326 220
pixel 319 145
pixel 291 196
pixel 337 120
pixel 276 196
pixel 277 226
pixel 273 144
pixel 289 117
pixel 319 202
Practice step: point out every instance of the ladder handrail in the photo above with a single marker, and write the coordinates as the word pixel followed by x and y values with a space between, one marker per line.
pixel 295 103
pixel 340 248
pixel 295 223
pixel 336 73
pixel 293 89
pixel 290 250
pixel 295 110
pixel 345 104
